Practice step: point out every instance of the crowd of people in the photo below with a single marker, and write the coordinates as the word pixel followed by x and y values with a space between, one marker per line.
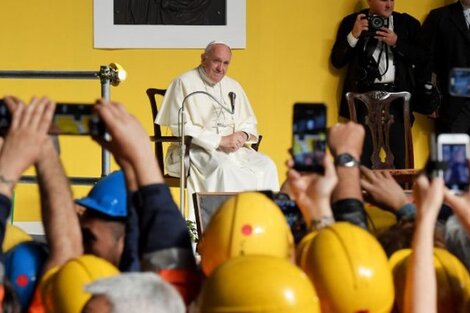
pixel 127 248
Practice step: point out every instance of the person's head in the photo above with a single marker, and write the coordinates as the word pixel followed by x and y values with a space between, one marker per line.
pixel 246 224
pixel 215 60
pixel 255 283
pixel 103 236
pixel 400 236
pixel 23 268
pixel 133 292
pixel 349 270
pixel 63 290
pixel 381 7
pixel 103 222
pixel 453 281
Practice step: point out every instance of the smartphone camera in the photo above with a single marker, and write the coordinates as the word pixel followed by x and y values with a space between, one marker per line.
pixel 309 137
pixel 453 149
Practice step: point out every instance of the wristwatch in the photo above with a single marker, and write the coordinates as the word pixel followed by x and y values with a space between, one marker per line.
pixel 346 160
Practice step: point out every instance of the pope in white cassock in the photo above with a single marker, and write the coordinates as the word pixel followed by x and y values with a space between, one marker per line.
pixel 220 154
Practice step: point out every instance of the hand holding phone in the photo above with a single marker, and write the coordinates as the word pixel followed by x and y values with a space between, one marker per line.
pixel 309 137
pixel 454 149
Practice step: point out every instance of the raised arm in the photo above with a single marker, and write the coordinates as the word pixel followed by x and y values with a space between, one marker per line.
pixel 345 142
pixel 312 193
pixel 21 146
pixel 61 224
pixel 421 285
pixel 164 242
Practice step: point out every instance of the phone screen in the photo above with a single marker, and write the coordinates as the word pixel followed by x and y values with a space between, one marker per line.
pixel 69 119
pixel 76 119
pixel 457 174
pixel 309 137
pixel 459 82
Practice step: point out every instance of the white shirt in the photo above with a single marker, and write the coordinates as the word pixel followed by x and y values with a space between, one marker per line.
pixel 466 13
pixel 386 64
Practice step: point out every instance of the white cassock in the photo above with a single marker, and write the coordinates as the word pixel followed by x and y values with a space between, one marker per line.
pixel 212 170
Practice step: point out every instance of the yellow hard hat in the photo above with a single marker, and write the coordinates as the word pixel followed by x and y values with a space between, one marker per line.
pixel 302 248
pixel 350 270
pixel 13 236
pixel 63 290
pixel 453 281
pixel 258 283
pixel 246 224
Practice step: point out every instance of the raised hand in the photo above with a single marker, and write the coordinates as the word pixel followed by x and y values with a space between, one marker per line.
pixel 26 135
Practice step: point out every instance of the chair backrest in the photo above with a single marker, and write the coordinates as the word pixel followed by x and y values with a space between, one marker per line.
pixel 379 121
pixel 158 139
pixel 151 93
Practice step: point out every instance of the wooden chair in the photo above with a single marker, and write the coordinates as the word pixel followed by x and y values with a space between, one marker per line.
pixel 158 140
pixel 379 121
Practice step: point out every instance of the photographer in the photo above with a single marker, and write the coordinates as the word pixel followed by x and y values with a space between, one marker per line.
pixel 379 47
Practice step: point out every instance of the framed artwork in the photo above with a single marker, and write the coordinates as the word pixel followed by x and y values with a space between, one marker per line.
pixel 168 23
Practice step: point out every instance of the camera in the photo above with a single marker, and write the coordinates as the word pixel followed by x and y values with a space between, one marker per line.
pixel 69 119
pixel 375 23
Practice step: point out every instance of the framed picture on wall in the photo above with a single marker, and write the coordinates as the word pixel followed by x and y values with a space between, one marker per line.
pixel 168 23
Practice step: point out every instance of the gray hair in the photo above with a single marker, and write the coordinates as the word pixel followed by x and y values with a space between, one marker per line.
pixel 138 292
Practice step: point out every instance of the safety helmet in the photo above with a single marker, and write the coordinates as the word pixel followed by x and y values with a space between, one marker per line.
pixel 302 248
pixel 246 224
pixel 108 196
pixel 258 283
pixel 23 267
pixel 13 236
pixel 453 281
pixel 349 270
pixel 63 290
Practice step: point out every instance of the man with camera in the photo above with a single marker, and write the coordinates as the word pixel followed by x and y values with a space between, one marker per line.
pixel 379 46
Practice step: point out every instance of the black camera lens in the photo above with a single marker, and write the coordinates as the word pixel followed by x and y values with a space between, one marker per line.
pixel 376 22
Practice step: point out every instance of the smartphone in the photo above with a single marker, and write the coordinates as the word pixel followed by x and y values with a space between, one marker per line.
pixel 454 149
pixel 309 137
pixel 69 119
pixel 459 82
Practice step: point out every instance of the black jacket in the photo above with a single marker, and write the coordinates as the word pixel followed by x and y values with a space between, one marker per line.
pixel 447 38
pixel 406 54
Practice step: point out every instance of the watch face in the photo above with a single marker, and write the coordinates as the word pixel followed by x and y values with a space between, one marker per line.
pixel 346 160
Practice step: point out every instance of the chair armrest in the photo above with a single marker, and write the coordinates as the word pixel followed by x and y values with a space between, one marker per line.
pixel 255 146
pixel 176 139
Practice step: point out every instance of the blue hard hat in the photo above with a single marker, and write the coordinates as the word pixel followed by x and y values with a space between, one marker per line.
pixel 108 196
pixel 23 267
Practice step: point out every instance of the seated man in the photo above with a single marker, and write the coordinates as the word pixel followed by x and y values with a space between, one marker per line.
pixel 221 121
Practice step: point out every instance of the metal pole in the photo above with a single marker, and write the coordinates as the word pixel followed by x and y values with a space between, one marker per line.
pixel 105 94
pixel 50 74
pixel 182 165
